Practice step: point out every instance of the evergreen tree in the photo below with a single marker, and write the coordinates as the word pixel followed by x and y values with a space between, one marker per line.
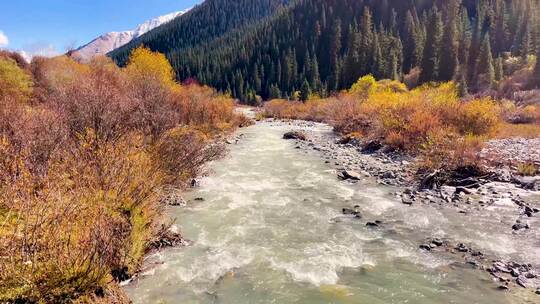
pixel 367 37
pixel 352 60
pixel 275 93
pixel 315 79
pixel 305 91
pixel 536 72
pixel 409 43
pixel 499 69
pixel 463 89
pixel 450 45
pixel 431 57
pixel 335 47
pixel 485 67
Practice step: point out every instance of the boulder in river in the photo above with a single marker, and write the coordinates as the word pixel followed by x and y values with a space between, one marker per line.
pixel 519 226
pixel 295 135
pixel 407 199
pixel 349 174
pixel 355 211
pixel 528 182
pixel 425 247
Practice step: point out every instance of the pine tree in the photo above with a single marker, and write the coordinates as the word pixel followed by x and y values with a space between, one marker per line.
pixel 463 89
pixel 536 73
pixel 377 68
pixel 315 79
pixel 352 60
pixel 367 37
pixel 275 93
pixel 450 45
pixel 431 57
pixel 335 47
pixel 409 43
pixel 305 91
pixel 499 69
pixel 501 27
pixel 485 67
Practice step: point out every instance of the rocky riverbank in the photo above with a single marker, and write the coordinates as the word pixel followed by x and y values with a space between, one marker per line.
pixel 513 198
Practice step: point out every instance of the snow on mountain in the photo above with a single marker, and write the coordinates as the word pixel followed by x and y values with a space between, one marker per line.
pixel 113 40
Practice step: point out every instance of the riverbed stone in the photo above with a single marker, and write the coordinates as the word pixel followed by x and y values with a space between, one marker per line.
pixel 349 175
pixel 295 135
pixel 407 199
pixel 425 247
pixel 520 226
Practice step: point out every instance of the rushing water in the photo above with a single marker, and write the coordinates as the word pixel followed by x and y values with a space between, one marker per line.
pixel 270 230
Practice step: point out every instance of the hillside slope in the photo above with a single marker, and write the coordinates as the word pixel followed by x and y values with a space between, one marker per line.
pixel 324 46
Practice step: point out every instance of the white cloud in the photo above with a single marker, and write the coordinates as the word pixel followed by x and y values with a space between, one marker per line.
pixel 4 41
pixel 26 56
pixel 42 49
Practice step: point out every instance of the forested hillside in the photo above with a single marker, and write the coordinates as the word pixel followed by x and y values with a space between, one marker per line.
pixel 210 20
pixel 323 46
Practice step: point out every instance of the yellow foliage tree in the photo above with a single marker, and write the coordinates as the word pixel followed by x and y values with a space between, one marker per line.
pixel 146 65
pixel 14 81
pixel 364 85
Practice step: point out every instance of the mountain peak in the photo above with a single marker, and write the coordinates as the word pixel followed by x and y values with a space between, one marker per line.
pixel 113 40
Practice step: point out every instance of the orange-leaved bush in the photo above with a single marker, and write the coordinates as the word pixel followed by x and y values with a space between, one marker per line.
pixel 85 165
pixel 424 121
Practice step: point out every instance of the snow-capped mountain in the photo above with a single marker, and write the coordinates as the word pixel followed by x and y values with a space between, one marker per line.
pixel 113 40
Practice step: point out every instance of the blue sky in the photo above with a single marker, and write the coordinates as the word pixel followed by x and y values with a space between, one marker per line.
pixel 51 26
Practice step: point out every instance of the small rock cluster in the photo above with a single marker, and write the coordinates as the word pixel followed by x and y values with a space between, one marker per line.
pixel 513 150
pixel 506 273
pixel 355 213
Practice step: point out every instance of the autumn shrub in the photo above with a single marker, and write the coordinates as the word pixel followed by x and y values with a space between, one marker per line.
pixel 430 121
pixel 14 81
pixel 83 166
pixel 527 169
pixel 478 117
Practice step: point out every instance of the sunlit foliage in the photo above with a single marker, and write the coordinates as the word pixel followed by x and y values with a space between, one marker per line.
pixel 14 81
pixel 430 120
pixel 84 166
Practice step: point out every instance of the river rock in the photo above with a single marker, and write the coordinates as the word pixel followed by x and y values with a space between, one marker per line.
pixel 372 225
pixel 355 211
pixel 519 226
pixel 500 267
pixel 349 174
pixel 176 201
pixel 371 147
pixel 425 247
pixel 462 248
pixel 295 135
pixel 528 182
pixel 522 281
pixel 463 190
pixel 437 242
pixel 389 174
pixel 407 199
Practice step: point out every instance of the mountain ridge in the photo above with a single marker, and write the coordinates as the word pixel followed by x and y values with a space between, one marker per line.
pixel 112 40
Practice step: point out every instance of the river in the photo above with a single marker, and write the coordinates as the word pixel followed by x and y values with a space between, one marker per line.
pixel 270 230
